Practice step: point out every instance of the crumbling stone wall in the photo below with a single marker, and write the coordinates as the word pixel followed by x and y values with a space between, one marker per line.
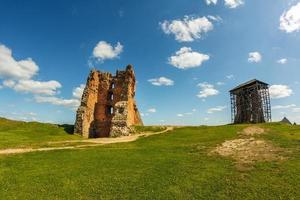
pixel 108 107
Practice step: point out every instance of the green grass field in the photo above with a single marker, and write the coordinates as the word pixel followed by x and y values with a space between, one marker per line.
pixel 16 134
pixel 174 165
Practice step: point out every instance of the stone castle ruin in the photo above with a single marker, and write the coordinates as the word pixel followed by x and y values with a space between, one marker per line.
pixel 250 103
pixel 108 107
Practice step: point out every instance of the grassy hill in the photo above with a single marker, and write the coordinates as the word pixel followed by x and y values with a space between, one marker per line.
pixel 22 134
pixel 174 165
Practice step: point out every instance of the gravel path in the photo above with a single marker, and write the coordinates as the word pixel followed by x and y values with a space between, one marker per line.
pixel 91 143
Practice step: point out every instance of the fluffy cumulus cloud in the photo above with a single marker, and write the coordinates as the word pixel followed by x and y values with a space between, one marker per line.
pixel 13 69
pixel 213 2
pixel 106 51
pixel 78 91
pixel 72 103
pixel 216 109
pixel 282 61
pixel 280 91
pixel 161 81
pixel 233 3
pixel 187 58
pixel 254 57
pixel 228 3
pixel 290 20
pixel 34 87
pixel 207 90
pixel 188 29
pixel 18 75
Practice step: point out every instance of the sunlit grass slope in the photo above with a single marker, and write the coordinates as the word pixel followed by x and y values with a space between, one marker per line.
pixel 174 165
pixel 22 134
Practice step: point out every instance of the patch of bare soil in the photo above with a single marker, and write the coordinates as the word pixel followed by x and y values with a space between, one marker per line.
pixel 253 130
pixel 248 149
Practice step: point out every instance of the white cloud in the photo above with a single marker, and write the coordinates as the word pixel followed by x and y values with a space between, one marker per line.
pixel 72 103
pixel 280 91
pixel 34 87
pixel 254 57
pixel 152 110
pixel 194 110
pixel 231 76
pixel 104 51
pixel 9 83
pixel 283 107
pixel 290 20
pixel 161 81
pixel 296 109
pixel 187 113
pixel 215 18
pixel 214 2
pixel 187 58
pixel 18 75
pixel 282 61
pixel 12 69
pixel 188 29
pixel 216 109
pixel 207 90
pixel 233 3
pixel 220 83
pixel 78 91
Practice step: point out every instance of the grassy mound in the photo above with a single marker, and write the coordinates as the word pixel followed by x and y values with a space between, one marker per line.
pixel 21 134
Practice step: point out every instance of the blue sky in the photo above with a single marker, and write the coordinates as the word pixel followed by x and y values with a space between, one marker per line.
pixel 187 55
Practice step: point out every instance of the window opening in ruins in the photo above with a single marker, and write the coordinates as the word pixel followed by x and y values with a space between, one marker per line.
pixel 121 110
pixel 110 110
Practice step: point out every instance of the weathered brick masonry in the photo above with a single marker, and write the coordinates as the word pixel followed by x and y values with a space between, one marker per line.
pixel 108 107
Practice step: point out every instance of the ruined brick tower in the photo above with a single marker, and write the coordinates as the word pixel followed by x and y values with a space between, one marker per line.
pixel 108 107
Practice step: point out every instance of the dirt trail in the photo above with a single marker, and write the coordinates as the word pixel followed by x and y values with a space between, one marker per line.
pixel 249 149
pixel 91 143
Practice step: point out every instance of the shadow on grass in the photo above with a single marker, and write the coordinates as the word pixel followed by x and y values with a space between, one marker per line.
pixel 67 128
